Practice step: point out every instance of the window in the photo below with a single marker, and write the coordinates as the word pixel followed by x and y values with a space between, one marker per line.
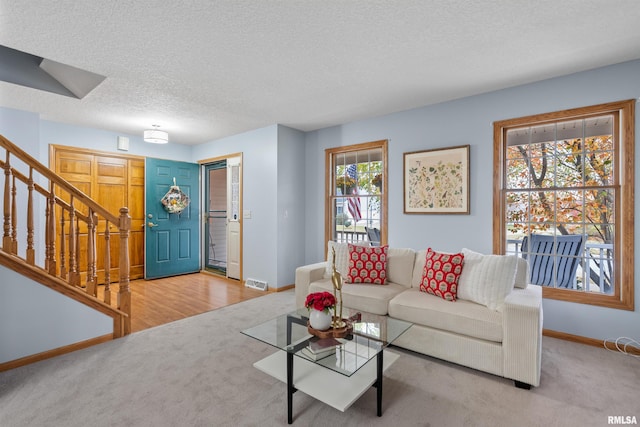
pixel 356 199
pixel 563 199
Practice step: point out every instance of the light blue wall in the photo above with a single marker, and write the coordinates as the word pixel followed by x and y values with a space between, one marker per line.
pixel 23 129
pixel 291 207
pixel 102 140
pixel 469 121
pixel 260 191
pixel 34 318
pixel 273 182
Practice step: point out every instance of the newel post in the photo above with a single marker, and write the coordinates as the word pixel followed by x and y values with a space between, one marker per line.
pixel 124 292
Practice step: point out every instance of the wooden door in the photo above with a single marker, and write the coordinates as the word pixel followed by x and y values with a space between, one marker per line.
pixel 114 181
pixel 135 203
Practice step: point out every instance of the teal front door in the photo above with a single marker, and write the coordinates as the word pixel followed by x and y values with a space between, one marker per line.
pixel 172 240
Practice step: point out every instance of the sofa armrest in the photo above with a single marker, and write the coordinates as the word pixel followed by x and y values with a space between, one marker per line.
pixel 306 275
pixel 522 334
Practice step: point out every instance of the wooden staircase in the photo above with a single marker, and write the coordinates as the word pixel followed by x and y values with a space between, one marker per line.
pixel 38 203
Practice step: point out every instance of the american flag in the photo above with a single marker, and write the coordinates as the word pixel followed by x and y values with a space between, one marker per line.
pixel 354 201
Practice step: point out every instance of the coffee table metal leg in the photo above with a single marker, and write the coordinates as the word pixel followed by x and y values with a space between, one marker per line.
pixel 290 388
pixel 379 383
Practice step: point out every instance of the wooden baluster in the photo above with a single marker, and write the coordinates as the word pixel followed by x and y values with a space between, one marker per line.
pixel 6 237
pixel 77 250
pixel 73 262
pixel 31 253
pixel 52 229
pixel 94 266
pixel 63 267
pixel 47 239
pixel 14 217
pixel 107 264
pixel 124 292
pixel 91 254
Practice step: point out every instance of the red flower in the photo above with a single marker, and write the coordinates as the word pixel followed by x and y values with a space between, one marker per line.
pixel 321 301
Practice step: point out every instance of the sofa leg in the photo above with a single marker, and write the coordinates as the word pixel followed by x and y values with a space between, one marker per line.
pixel 522 385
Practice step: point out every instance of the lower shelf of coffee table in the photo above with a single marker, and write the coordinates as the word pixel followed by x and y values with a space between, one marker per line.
pixel 323 384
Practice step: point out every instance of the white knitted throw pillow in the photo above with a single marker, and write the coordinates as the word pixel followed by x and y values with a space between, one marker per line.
pixel 487 279
pixel 342 259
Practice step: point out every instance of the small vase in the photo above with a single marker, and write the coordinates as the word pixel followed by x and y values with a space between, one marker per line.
pixel 320 320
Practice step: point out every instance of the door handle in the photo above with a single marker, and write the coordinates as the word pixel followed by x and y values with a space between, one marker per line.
pixel 151 224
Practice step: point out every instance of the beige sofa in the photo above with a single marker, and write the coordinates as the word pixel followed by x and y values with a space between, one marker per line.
pixel 503 340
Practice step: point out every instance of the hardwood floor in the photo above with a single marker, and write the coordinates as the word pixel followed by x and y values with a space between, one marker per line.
pixel 160 301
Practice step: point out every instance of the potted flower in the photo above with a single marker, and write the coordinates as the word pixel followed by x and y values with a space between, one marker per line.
pixel 319 305
pixel 345 184
pixel 377 181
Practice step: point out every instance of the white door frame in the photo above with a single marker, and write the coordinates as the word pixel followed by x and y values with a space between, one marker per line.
pixel 234 217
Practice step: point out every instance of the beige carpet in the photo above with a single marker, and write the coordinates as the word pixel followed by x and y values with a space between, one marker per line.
pixel 198 372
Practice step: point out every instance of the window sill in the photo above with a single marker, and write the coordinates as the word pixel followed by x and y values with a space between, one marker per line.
pixel 579 297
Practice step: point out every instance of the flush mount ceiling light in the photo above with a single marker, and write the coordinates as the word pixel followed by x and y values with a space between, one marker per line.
pixel 156 136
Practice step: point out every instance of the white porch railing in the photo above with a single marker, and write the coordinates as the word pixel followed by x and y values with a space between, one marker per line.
pixel 350 236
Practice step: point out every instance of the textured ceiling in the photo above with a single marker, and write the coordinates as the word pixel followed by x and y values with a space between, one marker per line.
pixel 205 69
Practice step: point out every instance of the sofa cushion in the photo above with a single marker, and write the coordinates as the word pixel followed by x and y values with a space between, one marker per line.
pixel 418 268
pixel 400 264
pixel 441 274
pixel 361 296
pixel 342 258
pixel 487 279
pixel 367 264
pixel 522 273
pixel 463 317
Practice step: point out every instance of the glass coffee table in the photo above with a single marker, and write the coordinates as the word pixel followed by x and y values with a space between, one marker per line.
pixel 340 377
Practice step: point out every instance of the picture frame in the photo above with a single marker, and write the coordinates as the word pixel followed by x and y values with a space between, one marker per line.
pixel 437 181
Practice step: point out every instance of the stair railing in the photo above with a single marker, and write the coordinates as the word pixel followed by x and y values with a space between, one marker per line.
pixel 78 214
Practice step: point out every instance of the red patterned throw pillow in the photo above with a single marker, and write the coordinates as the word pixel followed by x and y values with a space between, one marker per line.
pixel 441 274
pixel 367 264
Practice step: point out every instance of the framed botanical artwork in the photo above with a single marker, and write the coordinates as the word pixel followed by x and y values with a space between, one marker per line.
pixel 437 181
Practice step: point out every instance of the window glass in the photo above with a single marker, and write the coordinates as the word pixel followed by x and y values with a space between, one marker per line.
pixel 356 196
pixel 559 191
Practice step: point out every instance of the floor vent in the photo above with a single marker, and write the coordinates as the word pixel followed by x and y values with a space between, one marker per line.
pixel 256 284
